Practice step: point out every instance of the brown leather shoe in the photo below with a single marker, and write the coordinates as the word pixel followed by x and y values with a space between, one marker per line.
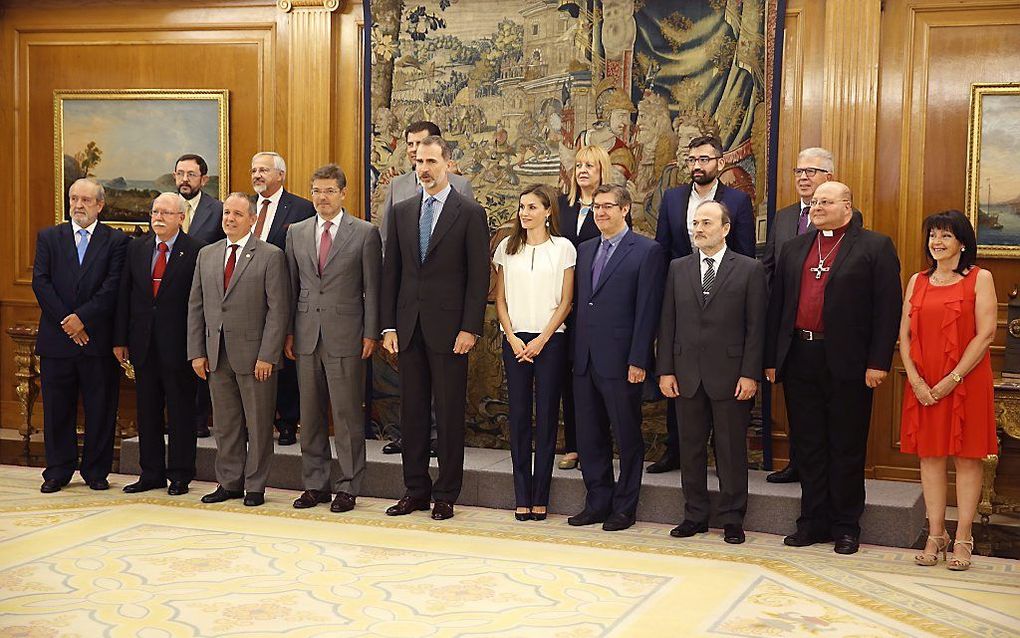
pixel 442 511
pixel 311 498
pixel 343 502
pixel 407 505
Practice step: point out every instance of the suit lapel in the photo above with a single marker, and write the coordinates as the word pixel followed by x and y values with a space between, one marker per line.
pixel 173 263
pixel 244 257
pixel 97 243
pixel 722 272
pixel 624 247
pixel 447 218
pixel 66 237
pixel 199 216
pixel 282 214
pixel 694 278
pixel 344 232
pixel 306 239
pixel 849 240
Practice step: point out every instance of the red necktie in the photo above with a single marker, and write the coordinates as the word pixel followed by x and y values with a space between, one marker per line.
pixel 159 268
pixel 261 221
pixel 229 270
pixel 325 244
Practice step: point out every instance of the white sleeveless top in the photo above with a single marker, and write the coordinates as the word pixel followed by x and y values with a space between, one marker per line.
pixel 533 281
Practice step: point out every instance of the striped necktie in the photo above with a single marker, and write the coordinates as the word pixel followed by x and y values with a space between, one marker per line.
pixel 709 278
pixel 425 227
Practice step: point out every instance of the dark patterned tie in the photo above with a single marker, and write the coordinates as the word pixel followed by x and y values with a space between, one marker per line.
pixel 804 220
pixel 709 278
pixel 601 257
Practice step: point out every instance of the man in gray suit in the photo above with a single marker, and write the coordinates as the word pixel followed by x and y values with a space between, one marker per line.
pixel 407 186
pixel 237 320
pixel 711 341
pixel 334 260
pixel 815 166
pixel 203 220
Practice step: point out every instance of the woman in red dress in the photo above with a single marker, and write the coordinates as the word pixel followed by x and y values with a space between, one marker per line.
pixel 948 324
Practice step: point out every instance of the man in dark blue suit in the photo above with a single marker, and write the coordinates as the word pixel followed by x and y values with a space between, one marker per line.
pixel 676 216
pixel 277 210
pixel 75 277
pixel 620 279
pixel 203 221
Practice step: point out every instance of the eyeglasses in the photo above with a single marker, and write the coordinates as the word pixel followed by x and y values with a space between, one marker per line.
pixel 605 206
pixel 704 159
pixel 325 191
pixel 85 201
pixel 164 213
pixel 825 203
pixel 188 175
pixel 810 171
pixel 261 170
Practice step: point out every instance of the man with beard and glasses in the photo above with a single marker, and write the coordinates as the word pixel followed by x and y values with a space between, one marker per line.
pixel 675 229
pixel 276 210
pixel 76 277
pixel 203 217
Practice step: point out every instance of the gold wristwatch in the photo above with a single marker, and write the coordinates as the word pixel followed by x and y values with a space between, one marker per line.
pixel 955 377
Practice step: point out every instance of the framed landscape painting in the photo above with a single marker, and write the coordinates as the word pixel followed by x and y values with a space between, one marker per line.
pixel 993 181
pixel 128 140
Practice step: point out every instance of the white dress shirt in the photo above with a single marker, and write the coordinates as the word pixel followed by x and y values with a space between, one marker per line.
pixel 716 260
pixel 90 229
pixel 274 203
pixel 320 223
pixel 190 210
pixel 241 243
pixel 695 201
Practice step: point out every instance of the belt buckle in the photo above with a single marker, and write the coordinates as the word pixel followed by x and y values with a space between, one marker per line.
pixel 807 335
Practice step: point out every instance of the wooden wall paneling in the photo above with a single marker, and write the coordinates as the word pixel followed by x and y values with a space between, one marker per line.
pixel 350 118
pixel 51 45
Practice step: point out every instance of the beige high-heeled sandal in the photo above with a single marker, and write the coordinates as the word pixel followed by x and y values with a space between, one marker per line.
pixel 958 564
pixel 927 559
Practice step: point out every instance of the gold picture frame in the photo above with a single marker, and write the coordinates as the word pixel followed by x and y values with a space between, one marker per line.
pixel 993 190
pixel 128 139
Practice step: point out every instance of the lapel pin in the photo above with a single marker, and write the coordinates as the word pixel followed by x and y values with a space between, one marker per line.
pixel 248 255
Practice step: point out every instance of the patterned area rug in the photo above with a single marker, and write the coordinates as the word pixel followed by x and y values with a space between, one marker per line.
pixel 83 563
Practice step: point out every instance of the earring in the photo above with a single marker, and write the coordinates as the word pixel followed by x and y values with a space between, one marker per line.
pixel 963 250
pixel 547 222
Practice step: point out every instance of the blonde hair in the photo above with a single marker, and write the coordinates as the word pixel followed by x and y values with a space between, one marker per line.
pixel 600 157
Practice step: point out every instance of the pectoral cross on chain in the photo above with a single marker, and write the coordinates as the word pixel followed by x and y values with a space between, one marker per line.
pixel 819 269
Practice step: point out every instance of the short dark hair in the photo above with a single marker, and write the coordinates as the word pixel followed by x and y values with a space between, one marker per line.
pixel 331 171
pixel 957 223
pixel 722 206
pixel 712 140
pixel 621 194
pixel 203 168
pixel 435 140
pixel 422 125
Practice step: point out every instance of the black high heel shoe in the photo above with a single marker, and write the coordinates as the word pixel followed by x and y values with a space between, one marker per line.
pixel 523 516
pixel 537 516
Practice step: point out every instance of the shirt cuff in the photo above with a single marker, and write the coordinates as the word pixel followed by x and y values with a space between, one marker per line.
pixel 385 330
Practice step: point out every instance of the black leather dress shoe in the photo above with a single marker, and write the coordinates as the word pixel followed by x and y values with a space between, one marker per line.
pixel 586 517
pixel 99 484
pixel 802 538
pixel 617 522
pixel 847 544
pixel 221 494
pixel 311 498
pixel 407 505
pixel 667 463
pixel 288 433
pixel 688 528
pixel 393 447
pixel 177 488
pixel 50 486
pixel 733 534
pixel 254 499
pixel 144 486
pixel 343 502
pixel 202 431
pixel 788 474
pixel 442 510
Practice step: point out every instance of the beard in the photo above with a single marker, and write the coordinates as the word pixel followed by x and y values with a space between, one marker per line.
pixel 703 178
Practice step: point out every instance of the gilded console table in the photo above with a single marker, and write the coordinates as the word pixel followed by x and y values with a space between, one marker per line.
pixel 26 372
pixel 1007 422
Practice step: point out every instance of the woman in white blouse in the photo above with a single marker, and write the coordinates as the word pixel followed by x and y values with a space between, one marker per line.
pixel 534 290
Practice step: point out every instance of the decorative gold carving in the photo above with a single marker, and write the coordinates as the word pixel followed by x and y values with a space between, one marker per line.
pixel 26 372
pixel 289 5
pixel 1007 420
pixel 1014 328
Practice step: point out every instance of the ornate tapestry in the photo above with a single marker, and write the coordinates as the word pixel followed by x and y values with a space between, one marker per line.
pixel 517 86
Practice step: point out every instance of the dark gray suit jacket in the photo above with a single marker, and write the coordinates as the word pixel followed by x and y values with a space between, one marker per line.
pixel 713 340
pixel 784 228
pixel 207 222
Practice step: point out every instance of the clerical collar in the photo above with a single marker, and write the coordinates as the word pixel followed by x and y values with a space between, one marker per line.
pixel 835 233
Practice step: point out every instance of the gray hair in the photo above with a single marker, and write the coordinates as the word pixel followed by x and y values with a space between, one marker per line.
pixel 100 191
pixel 723 209
pixel 823 156
pixel 176 197
pixel 246 198
pixel 278 162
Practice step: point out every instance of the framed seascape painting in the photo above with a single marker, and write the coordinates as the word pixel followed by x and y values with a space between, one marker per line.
pixel 993 182
pixel 128 140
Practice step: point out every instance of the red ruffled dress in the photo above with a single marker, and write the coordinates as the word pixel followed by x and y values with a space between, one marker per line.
pixel 963 423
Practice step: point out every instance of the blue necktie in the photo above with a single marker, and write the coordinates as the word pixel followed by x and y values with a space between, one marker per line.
pixel 83 244
pixel 425 227
pixel 601 257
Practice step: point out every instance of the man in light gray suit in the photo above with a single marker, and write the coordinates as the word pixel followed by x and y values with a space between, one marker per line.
pixel 334 260
pixel 237 321
pixel 815 166
pixel 407 186
pixel 710 346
